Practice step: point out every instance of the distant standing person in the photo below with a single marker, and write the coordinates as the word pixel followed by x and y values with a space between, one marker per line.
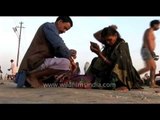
pixel 86 66
pixel 1 73
pixel 13 68
pixel 147 51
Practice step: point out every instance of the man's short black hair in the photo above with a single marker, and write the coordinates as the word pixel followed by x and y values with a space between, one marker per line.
pixel 65 19
pixel 154 22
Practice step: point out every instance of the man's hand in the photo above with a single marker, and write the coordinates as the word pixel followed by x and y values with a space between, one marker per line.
pixel 73 53
pixel 155 57
pixel 64 76
pixel 73 65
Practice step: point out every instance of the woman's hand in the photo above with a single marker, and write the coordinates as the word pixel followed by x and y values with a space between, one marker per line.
pixel 95 48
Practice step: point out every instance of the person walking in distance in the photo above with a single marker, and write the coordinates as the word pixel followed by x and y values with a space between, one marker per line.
pixel 147 52
pixel 13 68
pixel 1 73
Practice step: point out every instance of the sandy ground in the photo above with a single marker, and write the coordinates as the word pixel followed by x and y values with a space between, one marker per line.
pixel 9 94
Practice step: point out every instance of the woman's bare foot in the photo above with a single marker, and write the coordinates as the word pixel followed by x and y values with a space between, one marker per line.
pixel 122 89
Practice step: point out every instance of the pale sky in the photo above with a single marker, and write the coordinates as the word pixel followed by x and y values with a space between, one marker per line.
pixel 78 37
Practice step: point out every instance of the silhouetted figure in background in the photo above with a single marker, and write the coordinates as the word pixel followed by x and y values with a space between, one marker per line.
pixel 1 77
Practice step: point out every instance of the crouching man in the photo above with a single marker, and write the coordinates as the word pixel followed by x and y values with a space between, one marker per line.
pixel 47 54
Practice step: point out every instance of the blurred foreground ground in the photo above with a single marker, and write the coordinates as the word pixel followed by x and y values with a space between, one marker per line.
pixel 9 94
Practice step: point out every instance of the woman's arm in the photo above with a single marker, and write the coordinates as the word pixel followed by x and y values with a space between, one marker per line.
pixel 97 50
pixel 100 55
pixel 97 36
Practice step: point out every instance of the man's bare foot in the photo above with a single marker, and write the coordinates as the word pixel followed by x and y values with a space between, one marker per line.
pixel 34 82
pixel 122 89
pixel 41 83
